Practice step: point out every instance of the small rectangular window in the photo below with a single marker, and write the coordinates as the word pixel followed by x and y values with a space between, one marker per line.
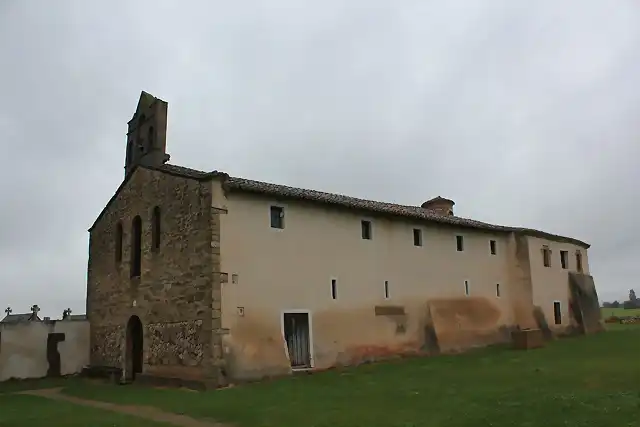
pixel 546 257
pixel 466 287
pixel 564 259
pixel 492 247
pixel 557 313
pixel 498 290
pixel 417 237
pixel 366 230
pixel 277 217
pixel 334 289
pixel 579 261
pixel 386 289
pixel 459 243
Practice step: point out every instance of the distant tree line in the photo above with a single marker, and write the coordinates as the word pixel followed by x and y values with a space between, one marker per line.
pixel 632 302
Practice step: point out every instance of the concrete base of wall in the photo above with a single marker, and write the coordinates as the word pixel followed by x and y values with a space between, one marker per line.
pixel 527 339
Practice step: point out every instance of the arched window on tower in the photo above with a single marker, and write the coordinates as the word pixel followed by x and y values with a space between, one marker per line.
pixel 140 135
pixel 136 246
pixel 118 242
pixel 155 230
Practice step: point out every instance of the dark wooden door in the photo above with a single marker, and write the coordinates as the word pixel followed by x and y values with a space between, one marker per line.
pixel 53 355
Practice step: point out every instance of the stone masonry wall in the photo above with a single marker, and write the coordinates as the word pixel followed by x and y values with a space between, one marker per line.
pixel 106 342
pixel 173 296
pixel 179 343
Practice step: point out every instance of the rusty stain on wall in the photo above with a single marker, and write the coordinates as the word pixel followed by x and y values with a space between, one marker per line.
pixel 255 349
pixel 465 322
pixel 395 314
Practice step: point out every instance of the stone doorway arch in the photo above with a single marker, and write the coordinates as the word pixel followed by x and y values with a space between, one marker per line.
pixel 135 347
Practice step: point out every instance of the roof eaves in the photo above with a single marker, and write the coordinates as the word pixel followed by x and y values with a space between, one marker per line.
pixel 414 212
pixel 550 236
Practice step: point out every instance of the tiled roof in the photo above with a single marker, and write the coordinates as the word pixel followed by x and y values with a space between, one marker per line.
pixel 412 212
pixel 18 318
pixel 185 172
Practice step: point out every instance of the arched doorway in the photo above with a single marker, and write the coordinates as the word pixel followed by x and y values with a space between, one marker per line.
pixel 134 347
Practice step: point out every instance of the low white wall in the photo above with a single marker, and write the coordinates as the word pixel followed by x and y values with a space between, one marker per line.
pixel 23 348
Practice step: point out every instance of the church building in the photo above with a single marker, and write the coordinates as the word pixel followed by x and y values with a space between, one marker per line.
pixel 205 277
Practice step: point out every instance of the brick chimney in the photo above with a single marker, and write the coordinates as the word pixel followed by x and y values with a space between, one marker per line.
pixel 439 206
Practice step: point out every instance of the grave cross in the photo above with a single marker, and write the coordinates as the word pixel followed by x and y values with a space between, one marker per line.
pixel 35 309
pixel 8 310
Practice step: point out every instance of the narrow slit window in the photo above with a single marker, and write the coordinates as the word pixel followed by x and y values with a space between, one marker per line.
pixel 136 247
pixel 118 242
pixel 366 229
pixel 564 259
pixel 334 289
pixel 579 261
pixel 557 313
pixel 459 243
pixel 466 287
pixel 417 237
pixel 155 231
pixel 386 289
pixel 546 257
pixel 277 217
pixel 492 247
pixel 498 290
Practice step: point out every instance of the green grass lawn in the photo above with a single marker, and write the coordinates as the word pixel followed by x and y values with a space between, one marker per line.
pixel 620 312
pixel 32 411
pixel 582 381
pixel 14 386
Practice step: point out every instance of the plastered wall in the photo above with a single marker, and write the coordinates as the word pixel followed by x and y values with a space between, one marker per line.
pixel 23 348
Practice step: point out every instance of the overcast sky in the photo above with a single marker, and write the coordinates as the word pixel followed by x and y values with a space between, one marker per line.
pixel 524 113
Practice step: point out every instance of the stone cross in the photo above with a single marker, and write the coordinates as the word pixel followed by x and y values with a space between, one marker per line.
pixel 35 309
pixel 66 313
pixel 8 310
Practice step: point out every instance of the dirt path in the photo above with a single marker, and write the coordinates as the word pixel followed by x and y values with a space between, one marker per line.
pixel 138 411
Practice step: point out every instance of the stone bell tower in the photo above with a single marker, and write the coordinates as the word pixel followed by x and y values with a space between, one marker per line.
pixel 147 134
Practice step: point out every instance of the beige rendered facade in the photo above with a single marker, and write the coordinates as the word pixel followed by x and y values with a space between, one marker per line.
pixel 368 298
pixel 200 275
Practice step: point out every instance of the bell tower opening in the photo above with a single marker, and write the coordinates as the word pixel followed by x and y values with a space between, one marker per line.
pixel 147 134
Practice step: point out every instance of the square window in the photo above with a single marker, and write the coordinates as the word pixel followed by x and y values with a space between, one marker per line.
pixel 366 230
pixel 492 247
pixel 277 217
pixel 459 243
pixel 417 237
pixel 564 259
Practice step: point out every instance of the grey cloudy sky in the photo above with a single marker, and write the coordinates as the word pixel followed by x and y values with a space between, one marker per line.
pixel 524 113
